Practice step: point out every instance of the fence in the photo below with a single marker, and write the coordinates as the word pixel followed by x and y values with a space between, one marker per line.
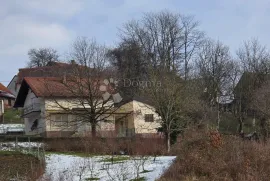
pixel 36 149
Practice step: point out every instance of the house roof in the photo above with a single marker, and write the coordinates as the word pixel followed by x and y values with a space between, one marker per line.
pixel 3 88
pixel 60 69
pixel 248 82
pixel 139 98
pixel 4 92
pixel 54 87
pixel 14 77
pixel 47 86
pixel 53 69
pixel 6 95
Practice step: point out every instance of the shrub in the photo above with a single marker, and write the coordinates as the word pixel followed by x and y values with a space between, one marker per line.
pixel 211 156
pixel 18 166
pixel 98 146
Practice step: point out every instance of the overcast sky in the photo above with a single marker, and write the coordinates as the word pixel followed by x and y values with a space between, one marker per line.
pixel 26 24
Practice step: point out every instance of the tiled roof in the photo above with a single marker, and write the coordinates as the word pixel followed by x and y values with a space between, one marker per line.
pixel 58 87
pixel 3 88
pixel 54 69
pixel 4 92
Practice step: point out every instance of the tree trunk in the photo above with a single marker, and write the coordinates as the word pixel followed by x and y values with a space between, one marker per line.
pixel 264 129
pixel 94 130
pixel 186 61
pixel 218 115
pixel 168 142
pixel 240 121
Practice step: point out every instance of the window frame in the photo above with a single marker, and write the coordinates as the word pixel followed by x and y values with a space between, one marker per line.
pixel 58 124
pixel 149 118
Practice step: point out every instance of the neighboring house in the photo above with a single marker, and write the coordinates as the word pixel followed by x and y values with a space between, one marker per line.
pixel 53 69
pixel 6 96
pixel 244 91
pixel 42 116
pixel 6 100
pixel 12 86
pixel 143 119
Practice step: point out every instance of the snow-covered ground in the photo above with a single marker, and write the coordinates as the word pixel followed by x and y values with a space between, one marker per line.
pixel 9 146
pixel 5 128
pixel 75 168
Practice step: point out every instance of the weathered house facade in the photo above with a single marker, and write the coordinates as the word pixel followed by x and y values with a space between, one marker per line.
pixel 43 99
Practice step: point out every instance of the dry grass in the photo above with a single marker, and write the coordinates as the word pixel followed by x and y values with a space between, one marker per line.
pixel 205 156
pixel 18 166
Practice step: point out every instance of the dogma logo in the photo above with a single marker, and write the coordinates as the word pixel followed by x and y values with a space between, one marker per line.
pixel 109 89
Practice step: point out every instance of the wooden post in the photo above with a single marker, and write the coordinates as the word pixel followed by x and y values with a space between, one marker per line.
pixel 38 151
pixel 43 153
pixel 29 146
pixel 16 143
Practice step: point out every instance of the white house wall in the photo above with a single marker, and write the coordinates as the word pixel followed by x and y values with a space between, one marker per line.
pixel 57 105
pixel 12 86
pixel 32 99
pixel 137 118
pixel 140 109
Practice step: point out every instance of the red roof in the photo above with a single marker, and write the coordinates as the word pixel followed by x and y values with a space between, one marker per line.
pixel 3 88
pixel 4 92
pixel 57 87
pixel 54 69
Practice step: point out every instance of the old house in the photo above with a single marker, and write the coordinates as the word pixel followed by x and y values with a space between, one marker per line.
pixel 53 69
pixel 44 116
pixel 6 96
pixel 6 100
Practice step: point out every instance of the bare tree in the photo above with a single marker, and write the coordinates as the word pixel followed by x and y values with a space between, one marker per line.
pixel 235 93
pixel 260 104
pixel 192 39
pixel 42 56
pixel 129 60
pixel 254 57
pixel 214 64
pixel 165 98
pixel 91 95
pixel 255 66
pixel 166 39
pixel 130 64
pixel 175 101
pixel 159 35
pixel 88 53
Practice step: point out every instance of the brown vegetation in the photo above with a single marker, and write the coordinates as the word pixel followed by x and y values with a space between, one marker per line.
pixel 204 156
pixel 18 166
pixel 105 146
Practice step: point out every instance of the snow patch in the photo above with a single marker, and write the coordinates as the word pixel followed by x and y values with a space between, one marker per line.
pixel 67 167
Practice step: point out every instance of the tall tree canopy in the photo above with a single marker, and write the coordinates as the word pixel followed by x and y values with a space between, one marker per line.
pixel 42 56
pixel 167 40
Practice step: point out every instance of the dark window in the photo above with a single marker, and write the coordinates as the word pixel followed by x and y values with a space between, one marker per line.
pixel 9 102
pixel 34 125
pixel 149 117
pixel 59 120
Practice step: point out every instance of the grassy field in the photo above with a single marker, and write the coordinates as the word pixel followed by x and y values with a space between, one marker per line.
pixel 12 116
